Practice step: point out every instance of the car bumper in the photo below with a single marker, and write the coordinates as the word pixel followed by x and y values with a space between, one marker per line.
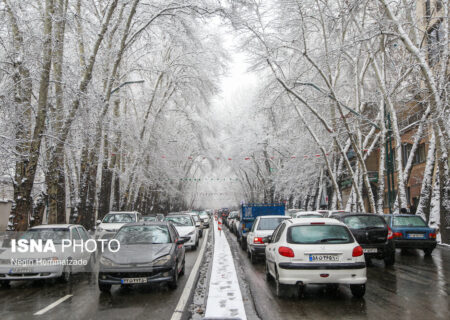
pixel 415 244
pixel 35 274
pixel 382 250
pixel 152 275
pixel 259 250
pixel 304 273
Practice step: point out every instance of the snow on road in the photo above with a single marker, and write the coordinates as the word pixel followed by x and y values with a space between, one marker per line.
pixel 224 296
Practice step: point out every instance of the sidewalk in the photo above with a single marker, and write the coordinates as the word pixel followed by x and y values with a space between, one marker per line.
pixel 225 298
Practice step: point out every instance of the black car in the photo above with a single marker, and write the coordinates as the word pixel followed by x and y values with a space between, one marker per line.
pixel 147 252
pixel 372 233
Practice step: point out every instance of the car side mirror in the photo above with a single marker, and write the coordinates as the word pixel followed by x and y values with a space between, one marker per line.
pixel 267 239
pixel 183 240
pixel 98 222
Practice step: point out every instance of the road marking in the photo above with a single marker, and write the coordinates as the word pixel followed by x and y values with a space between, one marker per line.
pixel 54 304
pixel 189 284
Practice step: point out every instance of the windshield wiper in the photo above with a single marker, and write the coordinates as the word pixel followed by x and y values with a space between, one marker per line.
pixel 332 239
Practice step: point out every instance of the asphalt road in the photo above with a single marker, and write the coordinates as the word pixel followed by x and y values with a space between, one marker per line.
pixel 25 298
pixel 416 287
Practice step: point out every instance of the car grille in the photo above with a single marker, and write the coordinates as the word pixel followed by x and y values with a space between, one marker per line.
pixel 122 275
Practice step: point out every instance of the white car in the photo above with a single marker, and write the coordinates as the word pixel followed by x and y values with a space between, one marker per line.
pixel 113 221
pixel 205 218
pixel 263 226
pixel 43 263
pixel 308 214
pixel 198 222
pixel 185 225
pixel 314 251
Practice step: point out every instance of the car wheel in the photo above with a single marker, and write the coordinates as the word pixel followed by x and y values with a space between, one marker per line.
pixel 248 252
pixel 389 260
pixel 243 243
pixel 173 284
pixel 201 233
pixel 104 287
pixel 194 247
pixel 66 275
pixel 252 257
pixel 4 284
pixel 267 272
pixel 358 290
pixel 332 288
pixel 183 268
pixel 428 251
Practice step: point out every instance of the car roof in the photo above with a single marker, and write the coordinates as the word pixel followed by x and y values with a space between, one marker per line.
pixel 147 223
pixel 178 215
pixel 402 215
pixel 122 212
pixel 274 216
pixel 308 221
pixel 305 213
pixel 349 214
pixel 48 226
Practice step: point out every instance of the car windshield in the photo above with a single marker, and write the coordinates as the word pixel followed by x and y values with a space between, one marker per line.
pixel 309 216
pixel 54 234
pixel 149 218
pixel 143 235
pixel 119 218
pixel 195 217
pixel 269 223
pixel 184 221
pixel 364 222
pixel 412 221
pixel 203 214
pixel 319 234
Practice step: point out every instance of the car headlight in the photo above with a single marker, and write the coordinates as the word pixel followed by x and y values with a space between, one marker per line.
pixel 106 262
pixel 191 233
pixel 162 260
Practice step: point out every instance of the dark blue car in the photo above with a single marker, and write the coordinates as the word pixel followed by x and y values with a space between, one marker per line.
pixel 411 232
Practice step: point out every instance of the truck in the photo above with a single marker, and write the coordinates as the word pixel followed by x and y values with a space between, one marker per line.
pixel 248 214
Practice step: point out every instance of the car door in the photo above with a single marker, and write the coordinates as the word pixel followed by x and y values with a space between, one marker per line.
pixel 271 248
pixel 179 248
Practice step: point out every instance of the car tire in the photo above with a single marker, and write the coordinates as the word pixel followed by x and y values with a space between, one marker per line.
pixel 183 268
pixel 4 284
pixel 389 260
pixel 248 252
pixel 332 288
pixel 358 290
pixel 428 251
pixel 253 257
pixel 243 244
pixel 104 287
pixel 173 284
pixel 194 247
pixel 267 273
pixel 66 275
pixel 201 233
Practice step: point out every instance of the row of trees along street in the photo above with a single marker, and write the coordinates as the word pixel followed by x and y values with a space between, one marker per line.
pixel 94 92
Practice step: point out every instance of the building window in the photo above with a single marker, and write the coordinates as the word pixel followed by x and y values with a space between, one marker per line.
pixel 420 156
pixel 406 149
pixel 435 43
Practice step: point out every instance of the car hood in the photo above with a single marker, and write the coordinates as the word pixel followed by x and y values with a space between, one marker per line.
pixel 6 253
pixel 183 231
pixel 138 253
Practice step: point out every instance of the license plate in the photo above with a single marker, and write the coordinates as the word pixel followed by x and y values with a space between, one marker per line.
pixel 133 280
pixel 416 236
pixel 323 257
pixel 370 250
pixel 21 270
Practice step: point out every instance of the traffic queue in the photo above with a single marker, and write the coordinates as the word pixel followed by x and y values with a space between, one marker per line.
pixel 323 247
pixel 126 248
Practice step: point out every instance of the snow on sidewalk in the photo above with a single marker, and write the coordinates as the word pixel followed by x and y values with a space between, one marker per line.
pixel 224 295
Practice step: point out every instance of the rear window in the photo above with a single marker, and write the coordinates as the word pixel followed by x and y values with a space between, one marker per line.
pixel 363 222
pixel 319 234
pixel 412 221
pixel 269 223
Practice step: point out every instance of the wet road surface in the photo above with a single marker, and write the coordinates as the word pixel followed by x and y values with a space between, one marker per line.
pixel 25 298
pixel 416 287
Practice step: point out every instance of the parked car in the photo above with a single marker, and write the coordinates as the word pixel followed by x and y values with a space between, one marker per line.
pixel 411 232
pixel 262 227
pixel 205 218
pixel 113 221
pixel 372 233
pixel 48 265
pixel 185 225
pixel 314 251
pixel 198 222
pixel 308 214
pixel 150 252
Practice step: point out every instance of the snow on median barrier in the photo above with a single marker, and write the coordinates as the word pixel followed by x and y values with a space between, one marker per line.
pixel 225 298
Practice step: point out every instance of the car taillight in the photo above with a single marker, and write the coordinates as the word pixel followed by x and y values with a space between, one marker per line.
pixel 397 235
pixel 432 235
pixel 286 252
pixel 357 251
pixel 258 240
pixel 390 234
